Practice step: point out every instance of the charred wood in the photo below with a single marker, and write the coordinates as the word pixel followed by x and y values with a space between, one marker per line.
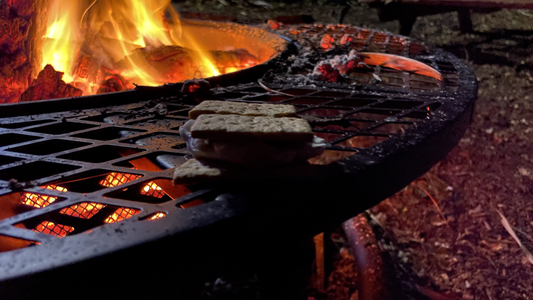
pixel 49 85
pixel 21 22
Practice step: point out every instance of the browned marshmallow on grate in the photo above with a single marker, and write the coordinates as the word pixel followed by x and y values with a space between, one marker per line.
pixel 237 127
pixel 244 109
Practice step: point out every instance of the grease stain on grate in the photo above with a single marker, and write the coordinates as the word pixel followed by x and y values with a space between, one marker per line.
pixel 14 138
pixel 108 133
pixel 113 118
pixel 101 154
pixel 62 128
pixel 35 170
pixel 167 123
pixel 24 124
pixel 157 140
pixel 48 147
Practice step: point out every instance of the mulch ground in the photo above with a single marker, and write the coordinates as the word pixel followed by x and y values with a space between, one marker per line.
pixel 445 227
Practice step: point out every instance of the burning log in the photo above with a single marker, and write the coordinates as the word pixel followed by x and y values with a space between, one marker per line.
pixel 175 63
pixel 233 60
pixel 49 85
pixel 114 83
pixel 167 63
pixel 22 23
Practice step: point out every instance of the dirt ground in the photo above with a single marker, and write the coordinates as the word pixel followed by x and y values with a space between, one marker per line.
pixel 466 253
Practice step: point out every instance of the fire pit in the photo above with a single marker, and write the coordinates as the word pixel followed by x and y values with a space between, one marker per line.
pixel 61 48
pixel 87 201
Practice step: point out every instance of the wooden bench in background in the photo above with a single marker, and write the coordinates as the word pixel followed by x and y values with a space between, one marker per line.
pixel 406 11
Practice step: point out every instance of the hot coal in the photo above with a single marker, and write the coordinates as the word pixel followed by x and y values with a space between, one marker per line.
pixel 332 70
pixel 49 85
pixel 168 63
pixel 18 56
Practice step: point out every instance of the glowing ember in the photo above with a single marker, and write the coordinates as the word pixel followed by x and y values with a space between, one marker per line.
pixel 153 190
pixel 105 46
pixel 121 214
pixel 50 228
pixel 157 216
pixel 116 179
pixel 40 201
pixel 85 210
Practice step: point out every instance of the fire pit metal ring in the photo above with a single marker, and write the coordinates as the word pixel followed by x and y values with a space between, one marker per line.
pixel 98 207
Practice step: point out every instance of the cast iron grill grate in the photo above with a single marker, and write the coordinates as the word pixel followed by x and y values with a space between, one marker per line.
pixel 124 157
pixel 70 175
pixel 333 37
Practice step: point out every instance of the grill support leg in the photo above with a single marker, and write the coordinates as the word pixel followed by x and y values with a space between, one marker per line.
pixel 374 282
pixel 465 21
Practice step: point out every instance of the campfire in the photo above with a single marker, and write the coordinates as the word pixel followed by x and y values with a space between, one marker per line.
pixel 93 47
pixel 86 178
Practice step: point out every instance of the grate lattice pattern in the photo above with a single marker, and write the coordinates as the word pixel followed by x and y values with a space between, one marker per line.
pixel 94 177
pixel 51 228
pixel 85 210
pixel 121 214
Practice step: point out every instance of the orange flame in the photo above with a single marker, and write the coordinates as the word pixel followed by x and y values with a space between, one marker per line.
pixel 61 36
pixel 115 36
